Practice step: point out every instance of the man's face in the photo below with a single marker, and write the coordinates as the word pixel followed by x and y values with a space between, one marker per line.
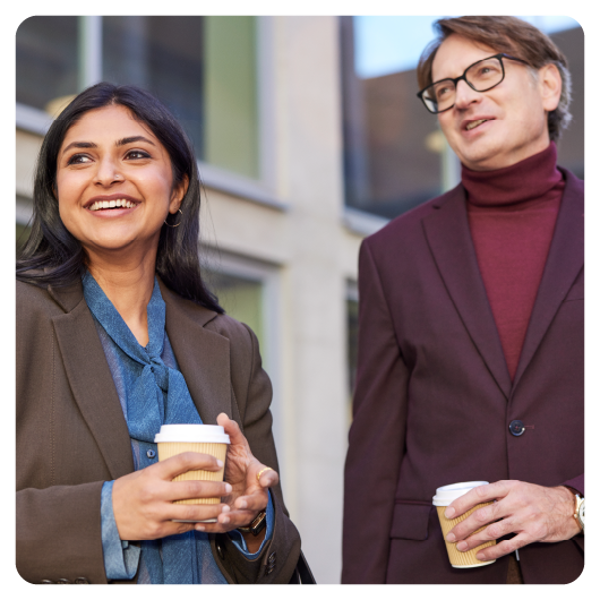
pixel 513 115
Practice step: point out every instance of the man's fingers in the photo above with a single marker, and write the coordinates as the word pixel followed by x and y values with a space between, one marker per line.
pixel 478 495
pixel 477 519
pixel 504 547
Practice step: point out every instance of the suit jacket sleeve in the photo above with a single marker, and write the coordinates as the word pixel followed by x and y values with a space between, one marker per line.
pixel 279 555
pixel 577 483
pixel 377 434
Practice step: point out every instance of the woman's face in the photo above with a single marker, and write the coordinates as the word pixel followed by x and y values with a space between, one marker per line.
pixel 114 182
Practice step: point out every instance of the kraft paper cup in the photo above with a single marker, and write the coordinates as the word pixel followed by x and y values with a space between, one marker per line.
pixel 206 439
pixel 444 497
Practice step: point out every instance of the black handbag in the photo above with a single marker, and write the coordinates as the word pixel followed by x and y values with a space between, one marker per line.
pixel 302 573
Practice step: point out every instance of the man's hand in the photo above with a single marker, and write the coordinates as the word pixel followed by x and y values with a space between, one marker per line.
pixel 534 512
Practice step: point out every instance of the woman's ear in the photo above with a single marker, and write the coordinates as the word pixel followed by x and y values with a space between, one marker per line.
pixel 179 191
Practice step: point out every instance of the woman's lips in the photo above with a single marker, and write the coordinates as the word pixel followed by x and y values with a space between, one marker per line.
pixel 108 204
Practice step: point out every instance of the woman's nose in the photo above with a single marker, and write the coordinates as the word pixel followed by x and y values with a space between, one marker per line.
pixel 107 173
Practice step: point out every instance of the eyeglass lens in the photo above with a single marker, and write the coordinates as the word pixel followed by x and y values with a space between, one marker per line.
pixel 481 76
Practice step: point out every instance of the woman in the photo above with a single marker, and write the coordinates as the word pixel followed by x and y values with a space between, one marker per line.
pixel 117 334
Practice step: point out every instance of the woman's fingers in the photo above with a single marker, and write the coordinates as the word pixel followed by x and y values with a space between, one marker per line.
pixel 184 462
pixel 185 490
pixel 232 429
pixel 266 476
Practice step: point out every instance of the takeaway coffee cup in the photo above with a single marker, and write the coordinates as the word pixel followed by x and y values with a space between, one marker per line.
pixel 206 439
pixel 443 497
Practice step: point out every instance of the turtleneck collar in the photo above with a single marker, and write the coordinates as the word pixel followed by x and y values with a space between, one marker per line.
pixel 529 179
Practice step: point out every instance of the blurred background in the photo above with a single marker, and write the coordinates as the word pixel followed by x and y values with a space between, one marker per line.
pixel 309 136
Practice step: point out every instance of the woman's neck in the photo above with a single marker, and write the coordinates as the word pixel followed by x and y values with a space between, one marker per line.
pixel 128 284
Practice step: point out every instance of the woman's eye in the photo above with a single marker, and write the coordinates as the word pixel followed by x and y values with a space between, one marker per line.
pixel 137 154
pixel 79 159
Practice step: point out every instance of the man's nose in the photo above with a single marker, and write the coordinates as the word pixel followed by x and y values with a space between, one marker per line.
pixel 465 95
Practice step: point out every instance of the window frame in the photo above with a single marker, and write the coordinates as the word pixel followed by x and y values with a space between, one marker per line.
pixel 262 190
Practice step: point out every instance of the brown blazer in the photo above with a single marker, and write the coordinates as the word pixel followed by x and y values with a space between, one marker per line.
pixel 434 398
pixel 72 435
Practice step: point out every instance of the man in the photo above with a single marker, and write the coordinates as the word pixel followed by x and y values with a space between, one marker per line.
pixel 470 362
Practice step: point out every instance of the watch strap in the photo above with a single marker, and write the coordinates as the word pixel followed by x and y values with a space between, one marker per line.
pixel 257 525
pixel 580 511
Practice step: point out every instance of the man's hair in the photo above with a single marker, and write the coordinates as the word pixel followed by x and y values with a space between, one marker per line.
pixel 512 36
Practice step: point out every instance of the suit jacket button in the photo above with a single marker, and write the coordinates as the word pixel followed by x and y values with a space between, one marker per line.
pixel 62 580
pixel 81 580
pixel 516 427
pixel 46 581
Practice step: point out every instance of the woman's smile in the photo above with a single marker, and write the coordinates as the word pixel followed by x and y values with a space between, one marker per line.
pixel 114 182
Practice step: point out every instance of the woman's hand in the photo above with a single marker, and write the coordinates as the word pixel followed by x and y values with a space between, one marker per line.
pixel 249 495
pixel 143 501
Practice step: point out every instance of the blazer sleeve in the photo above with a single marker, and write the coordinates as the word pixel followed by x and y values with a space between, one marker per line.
pixel 376 438
pixel 58 534
pixel 279 555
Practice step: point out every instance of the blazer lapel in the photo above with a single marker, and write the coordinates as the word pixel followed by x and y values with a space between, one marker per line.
pixel 203 355
pixel 449 238
pixel 91 381
pixel 565 261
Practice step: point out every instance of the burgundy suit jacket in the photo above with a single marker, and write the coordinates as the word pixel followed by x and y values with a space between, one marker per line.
pixel 434 398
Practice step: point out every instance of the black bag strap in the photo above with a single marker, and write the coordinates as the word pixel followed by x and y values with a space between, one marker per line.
pixel 302 573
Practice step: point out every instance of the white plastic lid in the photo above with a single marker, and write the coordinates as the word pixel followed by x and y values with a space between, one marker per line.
pixel 446 494
pixel 210 434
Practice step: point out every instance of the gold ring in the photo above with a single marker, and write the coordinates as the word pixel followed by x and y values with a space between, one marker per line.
pixel 261 472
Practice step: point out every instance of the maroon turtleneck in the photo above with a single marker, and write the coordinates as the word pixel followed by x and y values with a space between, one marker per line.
pixel 512 213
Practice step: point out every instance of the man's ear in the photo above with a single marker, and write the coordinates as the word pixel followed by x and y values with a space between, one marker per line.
pixel 551 86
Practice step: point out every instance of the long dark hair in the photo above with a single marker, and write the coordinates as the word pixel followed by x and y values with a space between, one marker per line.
pixel 52 256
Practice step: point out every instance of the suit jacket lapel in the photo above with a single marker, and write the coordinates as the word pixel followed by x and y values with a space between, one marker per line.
pixel 565 261
pixel 90 379
pixel 203 355
pixel 449 238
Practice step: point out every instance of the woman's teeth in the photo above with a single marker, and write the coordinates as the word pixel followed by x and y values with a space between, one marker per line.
pixel 120 203
pixel 473 124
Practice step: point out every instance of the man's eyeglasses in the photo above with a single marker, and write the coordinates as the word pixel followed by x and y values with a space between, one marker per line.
pixel 481 76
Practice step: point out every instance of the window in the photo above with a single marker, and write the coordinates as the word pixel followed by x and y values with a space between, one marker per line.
pixel 203 68
pixel 242 299
pixel 249 291
pixel 394 152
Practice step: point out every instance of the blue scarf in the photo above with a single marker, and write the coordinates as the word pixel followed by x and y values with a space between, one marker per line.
pixel 154 394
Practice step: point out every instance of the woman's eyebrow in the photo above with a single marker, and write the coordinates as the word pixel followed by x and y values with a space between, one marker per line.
pixel 133 139
pixel 118 143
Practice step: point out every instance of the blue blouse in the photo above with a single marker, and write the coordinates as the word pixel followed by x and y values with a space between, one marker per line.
pixel 121 559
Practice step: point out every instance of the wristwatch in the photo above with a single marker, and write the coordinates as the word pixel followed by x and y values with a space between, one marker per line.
pixel 259 523
pixel 580 510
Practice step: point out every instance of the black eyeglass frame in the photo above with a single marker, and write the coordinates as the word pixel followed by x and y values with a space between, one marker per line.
pixel 463 77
